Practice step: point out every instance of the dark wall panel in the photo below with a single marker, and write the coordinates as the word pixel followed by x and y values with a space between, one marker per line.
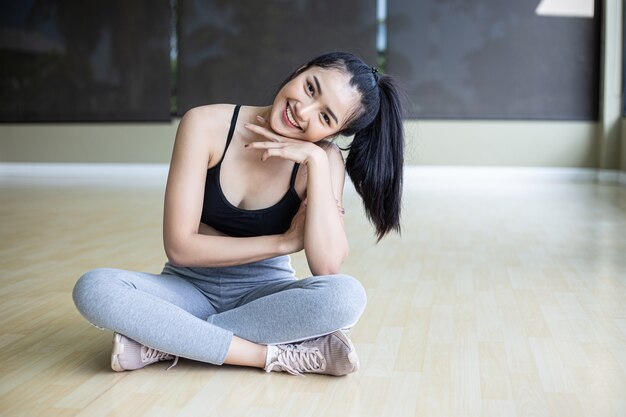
pixel 239 52
pixel 494 59
pixel 95 60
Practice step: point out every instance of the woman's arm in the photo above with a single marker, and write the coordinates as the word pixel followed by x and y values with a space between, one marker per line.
pixel 184 245
pixel 215 251
pixel 325 241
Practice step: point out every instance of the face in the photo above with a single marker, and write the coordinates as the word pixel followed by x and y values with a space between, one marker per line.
pixel 314 105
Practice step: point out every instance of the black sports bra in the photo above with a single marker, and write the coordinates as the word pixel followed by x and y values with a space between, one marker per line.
pixel 220 214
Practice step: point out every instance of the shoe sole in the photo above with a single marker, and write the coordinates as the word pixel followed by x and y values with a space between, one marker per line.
pixel 118 349
pixel 353 358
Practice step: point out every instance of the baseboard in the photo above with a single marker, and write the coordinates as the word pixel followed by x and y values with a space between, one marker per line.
pixel 79 174
pixel 500 174
pixel 83 170
pixel 156 174
pixel 608 176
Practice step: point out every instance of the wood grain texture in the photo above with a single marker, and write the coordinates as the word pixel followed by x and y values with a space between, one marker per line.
pixel 504 299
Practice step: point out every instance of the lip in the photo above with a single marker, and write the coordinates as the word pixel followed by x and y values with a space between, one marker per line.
pixel 286 119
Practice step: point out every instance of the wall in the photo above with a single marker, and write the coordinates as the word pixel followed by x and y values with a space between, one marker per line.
pixel 623 145
pixel 110 142
pixel 487 143
pixel 609 144
pixel 599 144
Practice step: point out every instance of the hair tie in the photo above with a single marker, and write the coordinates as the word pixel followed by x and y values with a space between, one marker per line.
pixel 375 73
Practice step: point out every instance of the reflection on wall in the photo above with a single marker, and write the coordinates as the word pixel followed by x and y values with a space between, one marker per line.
pixel 239 52
pixel 69 60
pixel 494 59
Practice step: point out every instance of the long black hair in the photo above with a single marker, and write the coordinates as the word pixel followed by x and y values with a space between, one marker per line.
pixel 376 154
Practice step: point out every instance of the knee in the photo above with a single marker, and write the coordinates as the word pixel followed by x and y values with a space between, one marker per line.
pixel 349 298
pixel 351 289
pixel 91 289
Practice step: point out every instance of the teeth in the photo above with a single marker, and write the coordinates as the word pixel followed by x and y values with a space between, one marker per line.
pixel 290 117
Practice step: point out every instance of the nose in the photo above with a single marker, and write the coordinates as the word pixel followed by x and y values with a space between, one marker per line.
pixel 304 109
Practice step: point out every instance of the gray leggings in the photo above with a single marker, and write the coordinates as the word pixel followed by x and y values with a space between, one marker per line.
pixel 194 312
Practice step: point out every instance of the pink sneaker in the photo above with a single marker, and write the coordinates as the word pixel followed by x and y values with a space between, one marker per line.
pixel 332 354
pixel 128 355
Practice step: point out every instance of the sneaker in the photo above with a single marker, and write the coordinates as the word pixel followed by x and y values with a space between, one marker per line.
pixel 128 355
pixel 332 354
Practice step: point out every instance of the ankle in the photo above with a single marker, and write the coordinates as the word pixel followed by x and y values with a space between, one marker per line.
pixel 245 353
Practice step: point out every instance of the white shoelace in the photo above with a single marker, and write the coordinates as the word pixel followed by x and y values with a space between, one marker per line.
pixel 152 355
pixel 298 359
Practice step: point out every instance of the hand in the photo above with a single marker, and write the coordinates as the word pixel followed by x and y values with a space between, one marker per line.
pixel 294 237
pixel 295 150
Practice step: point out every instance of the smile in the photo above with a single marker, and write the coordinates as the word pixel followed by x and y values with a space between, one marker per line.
pixel 288 116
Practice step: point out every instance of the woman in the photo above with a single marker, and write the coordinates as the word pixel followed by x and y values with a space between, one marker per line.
pixel 248 186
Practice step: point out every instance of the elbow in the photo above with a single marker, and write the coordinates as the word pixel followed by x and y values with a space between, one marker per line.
pixel 330 266
pixel 174 256
pixel 325 270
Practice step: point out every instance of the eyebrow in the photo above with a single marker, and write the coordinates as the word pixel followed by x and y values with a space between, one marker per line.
pixel 319 90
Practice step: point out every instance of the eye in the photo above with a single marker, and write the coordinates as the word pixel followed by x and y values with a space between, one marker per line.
pixel 326 118
pixel 310 88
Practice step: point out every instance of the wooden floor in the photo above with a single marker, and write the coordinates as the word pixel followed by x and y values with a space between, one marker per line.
pixel 498 300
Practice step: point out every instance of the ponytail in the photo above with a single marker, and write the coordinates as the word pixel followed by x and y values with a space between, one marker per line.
pixel 376 158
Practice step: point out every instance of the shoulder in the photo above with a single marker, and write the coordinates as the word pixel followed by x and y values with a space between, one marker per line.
pixel 205 117
pixel 205 128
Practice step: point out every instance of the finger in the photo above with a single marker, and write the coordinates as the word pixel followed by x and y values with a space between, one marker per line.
pixel 264 132
pixel 271 152
pixel 280 152
pixel 266 145
pixel 268 133
pixel 260 119
pixel 275 151
pixel 261 130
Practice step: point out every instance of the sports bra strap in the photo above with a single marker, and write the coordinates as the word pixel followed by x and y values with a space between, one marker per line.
pixel 231 131
pixel 293 175
pixel 233 123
